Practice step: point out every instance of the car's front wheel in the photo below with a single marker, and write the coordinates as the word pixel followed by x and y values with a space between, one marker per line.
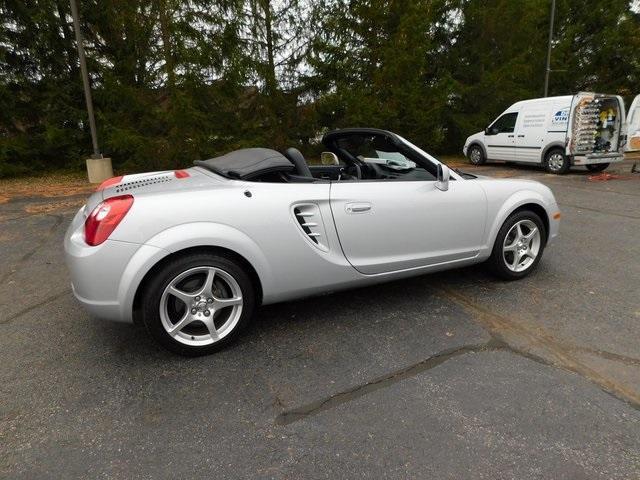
pixel 518 246
pixel 198 303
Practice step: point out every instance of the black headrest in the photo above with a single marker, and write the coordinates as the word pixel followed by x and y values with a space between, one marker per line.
pixel 298 160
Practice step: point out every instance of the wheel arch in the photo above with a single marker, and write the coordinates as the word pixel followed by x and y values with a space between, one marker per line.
pixel 552 146
pixel 538 210
pixel 190 237
pixel 518 202
pixel 210 249
pixel 479 144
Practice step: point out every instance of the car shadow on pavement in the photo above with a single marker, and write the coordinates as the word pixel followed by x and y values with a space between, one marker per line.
pixel 398 317
pixel 352 312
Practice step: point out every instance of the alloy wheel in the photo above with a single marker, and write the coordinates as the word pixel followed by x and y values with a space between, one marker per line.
pixel 521 246
pixel 201 306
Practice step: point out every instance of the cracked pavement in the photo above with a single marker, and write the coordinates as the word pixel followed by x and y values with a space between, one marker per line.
pixel 450 375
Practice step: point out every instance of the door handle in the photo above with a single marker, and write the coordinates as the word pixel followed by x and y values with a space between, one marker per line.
pixel 357 207
pixel 520 136
pixel 510 136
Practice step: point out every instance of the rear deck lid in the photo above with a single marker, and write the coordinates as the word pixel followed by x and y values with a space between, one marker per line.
pixel 158 182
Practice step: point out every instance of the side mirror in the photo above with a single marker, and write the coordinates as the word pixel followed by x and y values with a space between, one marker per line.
pixel 442 182
pixel 490 131
pixel 329 158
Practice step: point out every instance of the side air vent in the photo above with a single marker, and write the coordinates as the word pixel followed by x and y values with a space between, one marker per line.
pixel 143 182
pixel 309 219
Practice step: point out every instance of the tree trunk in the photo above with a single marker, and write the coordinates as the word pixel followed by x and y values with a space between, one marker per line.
pixel 270 70
pixel 165 33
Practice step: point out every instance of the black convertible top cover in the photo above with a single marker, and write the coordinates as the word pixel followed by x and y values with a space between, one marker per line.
pixel 246 163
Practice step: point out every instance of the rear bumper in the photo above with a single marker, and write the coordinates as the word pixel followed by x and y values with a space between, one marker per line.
pixel 104 310
pixel 597 158
pixel 99 277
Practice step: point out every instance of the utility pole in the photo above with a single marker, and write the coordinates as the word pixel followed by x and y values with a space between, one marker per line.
pixel 85 80
pixel 548 69
pixel 98 167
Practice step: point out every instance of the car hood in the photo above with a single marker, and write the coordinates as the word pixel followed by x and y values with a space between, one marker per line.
pixel 509 186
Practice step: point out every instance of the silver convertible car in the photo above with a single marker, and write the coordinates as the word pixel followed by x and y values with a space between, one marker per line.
pixel 192 253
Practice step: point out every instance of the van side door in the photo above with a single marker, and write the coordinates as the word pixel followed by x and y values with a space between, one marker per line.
pixel 500 137
pixel 538 127
pixel 530 133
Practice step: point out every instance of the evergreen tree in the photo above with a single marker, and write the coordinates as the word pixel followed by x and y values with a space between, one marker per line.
pixel 176 80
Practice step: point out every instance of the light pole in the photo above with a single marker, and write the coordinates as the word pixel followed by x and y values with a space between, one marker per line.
pixel 85 79
pixel 98 167
pixel 548 69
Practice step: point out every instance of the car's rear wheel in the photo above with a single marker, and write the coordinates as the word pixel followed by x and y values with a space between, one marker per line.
pixel 556 162
pixel 597 167
pixel 476 155
pixel 198 303
pixel 518 246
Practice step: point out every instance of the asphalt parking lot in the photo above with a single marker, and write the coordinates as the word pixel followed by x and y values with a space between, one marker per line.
pixel 452 375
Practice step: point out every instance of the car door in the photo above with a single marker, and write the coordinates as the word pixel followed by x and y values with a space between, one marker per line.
pixel 531 133
pixel 391 225
pixel 633 126
pixel 500 137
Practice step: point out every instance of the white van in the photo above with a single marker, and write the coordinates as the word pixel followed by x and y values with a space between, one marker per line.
pixel 589 129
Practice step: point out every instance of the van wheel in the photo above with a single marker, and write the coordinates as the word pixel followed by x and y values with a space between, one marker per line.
pixel 597 167
pixel 476 155
pixel 556 162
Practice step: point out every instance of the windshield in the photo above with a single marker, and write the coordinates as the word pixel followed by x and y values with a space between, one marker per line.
pixel 433 159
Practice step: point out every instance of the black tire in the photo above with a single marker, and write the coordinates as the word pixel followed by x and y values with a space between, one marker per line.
pixel 497 261
pixel 476 155
pixel 154 289
pixel 551 164
pixel 597 167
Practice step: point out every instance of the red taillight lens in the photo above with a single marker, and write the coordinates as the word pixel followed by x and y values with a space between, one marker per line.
pixel 181 174
pixel 109 182
pixel 105 218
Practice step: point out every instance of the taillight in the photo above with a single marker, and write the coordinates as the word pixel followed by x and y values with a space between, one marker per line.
pixel 108 182
pixel 181 174
pixel 105 218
